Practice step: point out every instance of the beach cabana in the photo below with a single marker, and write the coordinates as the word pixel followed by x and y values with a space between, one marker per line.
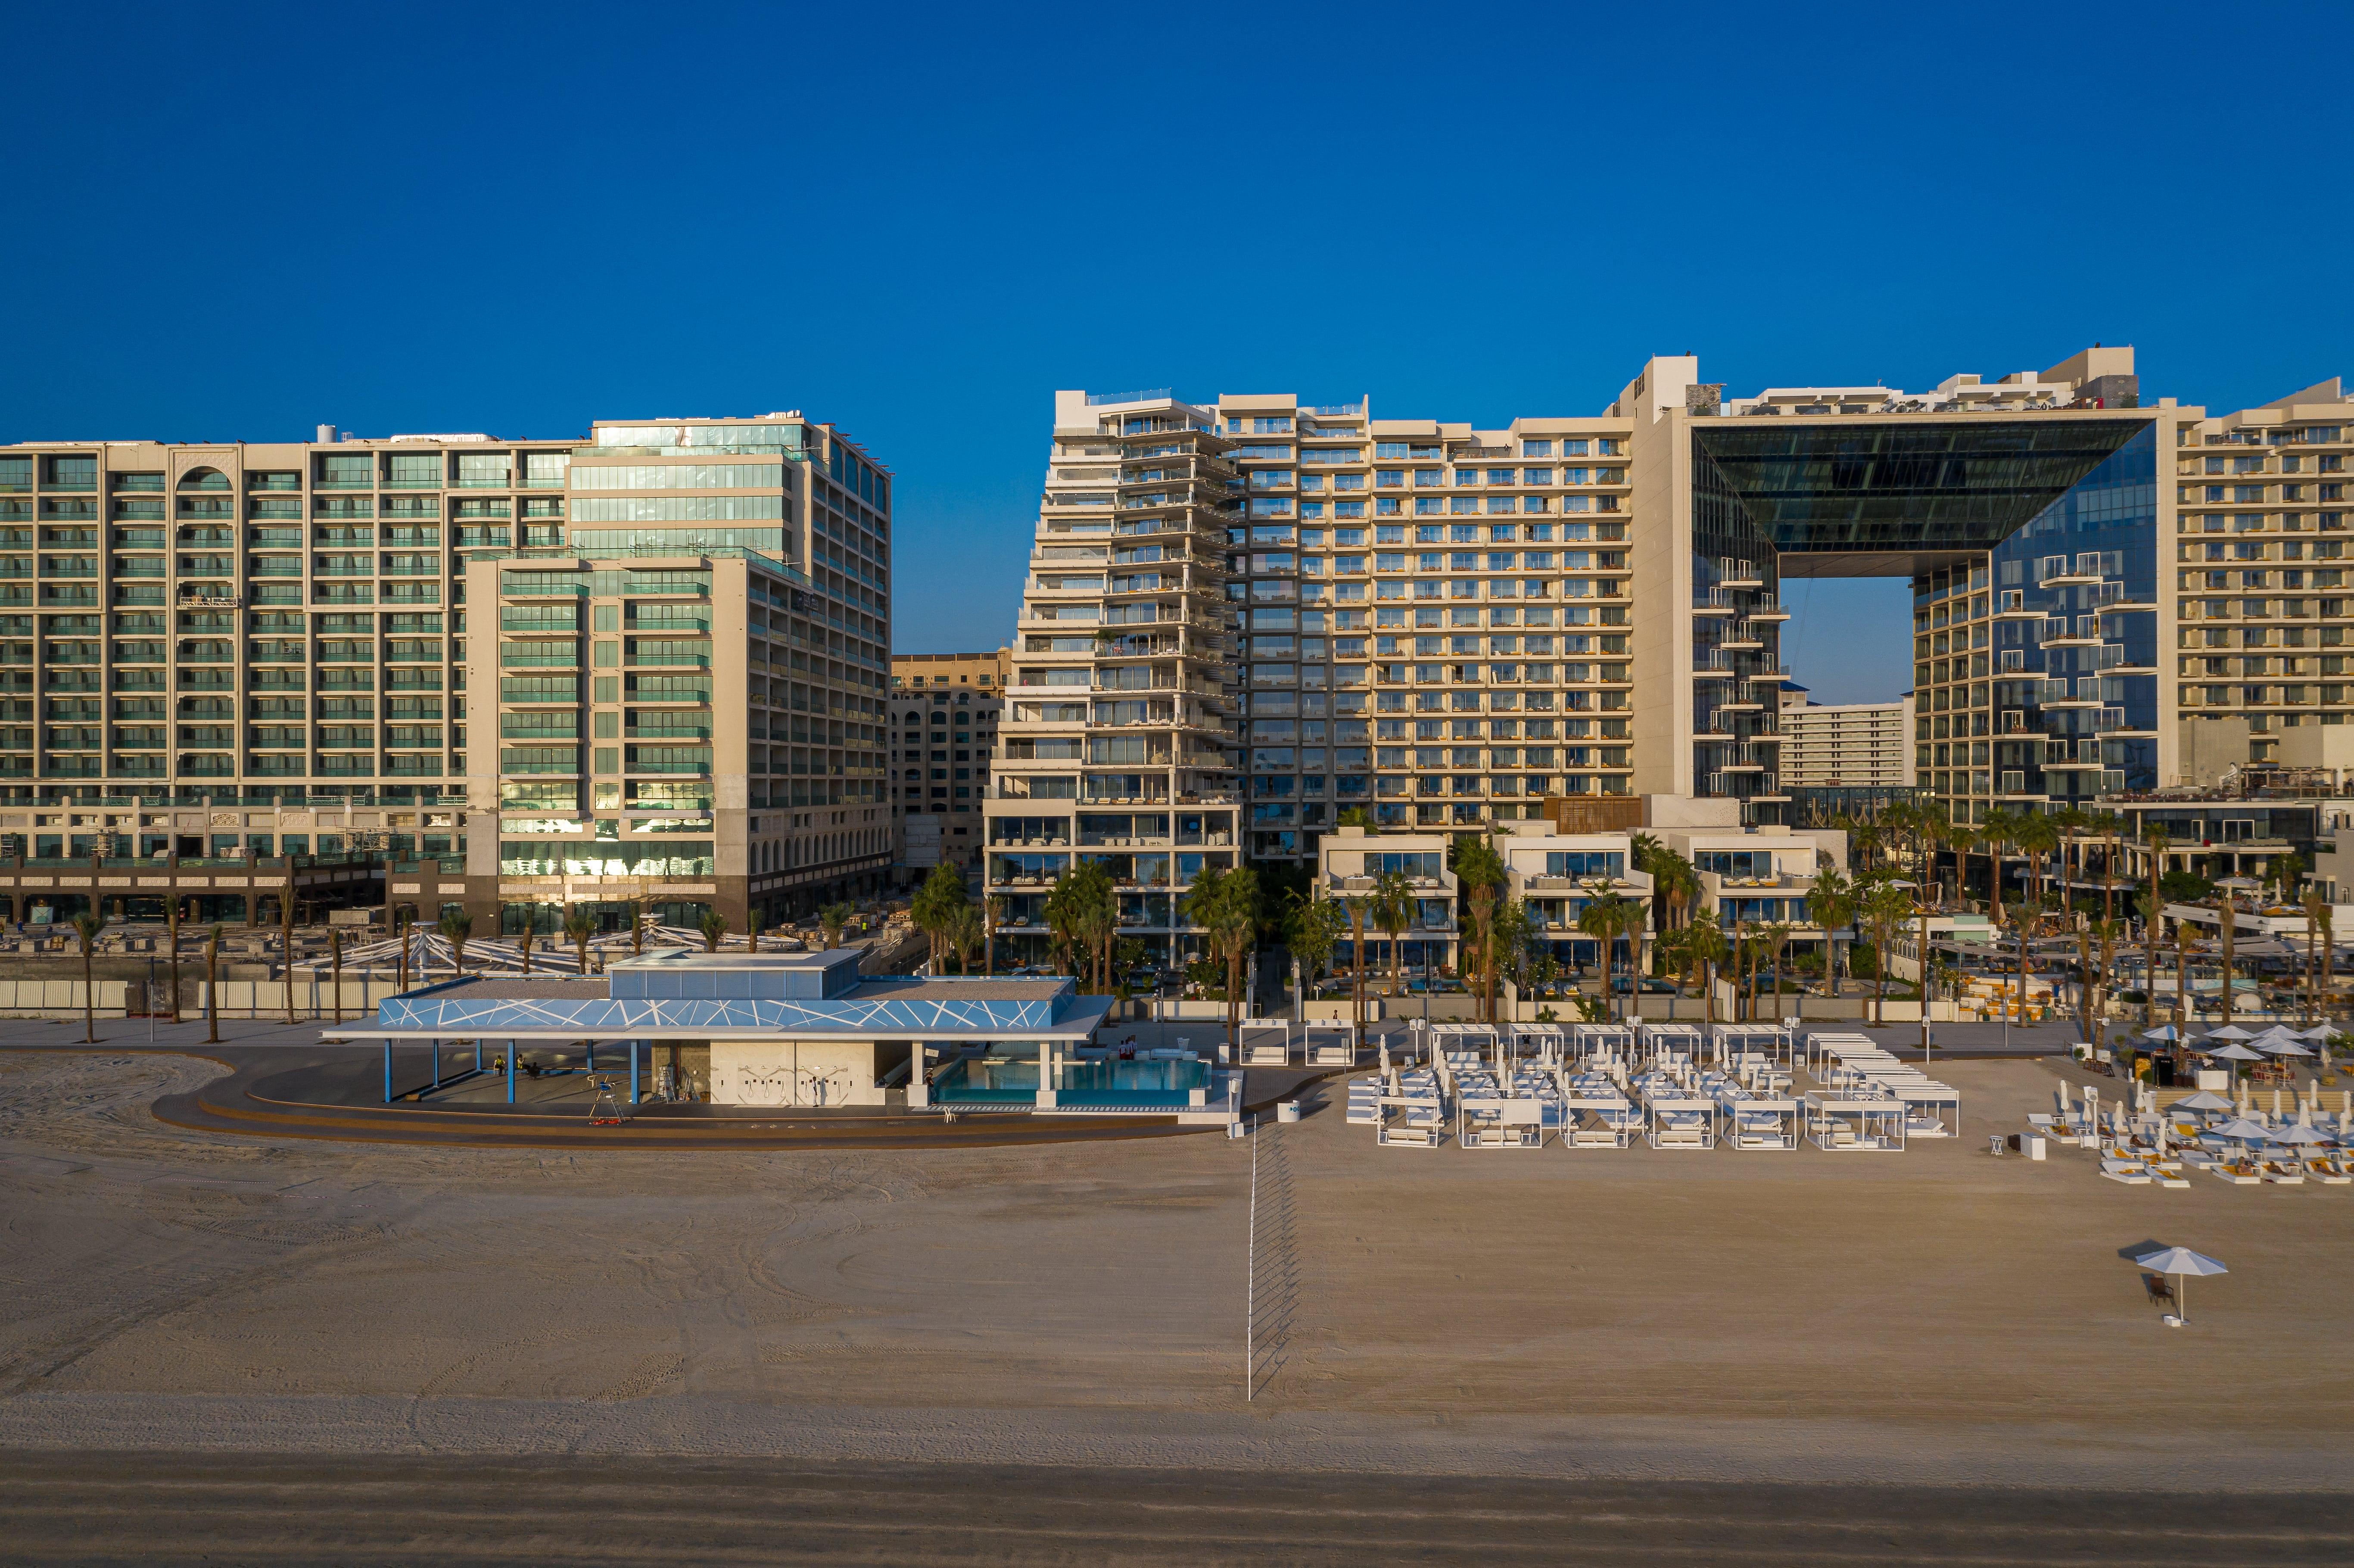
pixel 1265 1042
pixel 1329 1044
pixel 1855 1121
pixel 1751 1120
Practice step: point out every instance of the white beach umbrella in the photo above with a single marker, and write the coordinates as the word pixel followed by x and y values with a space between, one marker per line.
pixel 2319 1031
pixel 2202 1101
pixel 2230 1032
pixel 2283 1048
pixel 2297 1132
pixel 2182 1263
pixel 2235 1051
pixel 2163 1032
pixel 2239 1129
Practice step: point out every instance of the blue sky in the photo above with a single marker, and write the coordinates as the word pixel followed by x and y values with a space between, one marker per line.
pixel 919 223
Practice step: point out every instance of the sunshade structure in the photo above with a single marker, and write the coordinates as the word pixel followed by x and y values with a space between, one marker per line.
pixel 2202 1101
pixel 2230 1032
pixel 2182 1263
pixel 2234 1051
pixel 2163 1032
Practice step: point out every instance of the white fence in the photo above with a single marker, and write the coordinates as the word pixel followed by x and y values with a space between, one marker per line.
pixel 238 998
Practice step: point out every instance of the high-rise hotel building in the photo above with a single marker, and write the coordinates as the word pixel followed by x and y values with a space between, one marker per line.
pixel 1445 625
pixel 671 690
pixel 1121 737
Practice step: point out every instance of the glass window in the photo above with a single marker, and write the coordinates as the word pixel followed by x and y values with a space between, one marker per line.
pixel 413 471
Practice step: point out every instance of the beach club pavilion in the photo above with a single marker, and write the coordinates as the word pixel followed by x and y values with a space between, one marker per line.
pixel 800 1029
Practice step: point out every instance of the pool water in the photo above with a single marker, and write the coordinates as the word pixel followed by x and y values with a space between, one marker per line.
pixel 1013 1080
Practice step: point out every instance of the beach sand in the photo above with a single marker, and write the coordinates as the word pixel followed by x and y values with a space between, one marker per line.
pixel 1935 1318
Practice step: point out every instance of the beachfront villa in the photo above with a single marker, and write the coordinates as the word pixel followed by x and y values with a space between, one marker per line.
pixel 1760 874
pixel 803 1029
pixel 1558 874
pixel 1352 863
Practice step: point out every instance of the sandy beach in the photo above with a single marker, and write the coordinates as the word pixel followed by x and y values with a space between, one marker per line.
pixel 1935 1318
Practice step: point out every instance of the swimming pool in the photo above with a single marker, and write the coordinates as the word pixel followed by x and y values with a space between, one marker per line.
pixel 1006 1080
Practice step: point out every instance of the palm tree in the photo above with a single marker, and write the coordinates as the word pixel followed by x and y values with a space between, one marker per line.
pixel 1831 903
pixel 1393 911
pixel 1479 870
pixel 1675 951
pixel 2227 910
pixel 995 908
pixel 1359 907
pixel 2182 976
pixel 834 918
pixel 964 935
pixel 87 926
pixel 1703 943
pixel 1311 935
pixel 579 925
pixel 1609 915
pixel 335 970
pixel 2113 827
pixel 1224 903
pixel 530 925
pixel 1777 934
pixel 2152 916
pixel 2317 912
pixel 455 927
pixel 1674 886
pixel 713 926
pixel 935 906
pixel 1997 831
pixel 1885 907
pixel 212 985
pixel 172 926
pixel 2038 833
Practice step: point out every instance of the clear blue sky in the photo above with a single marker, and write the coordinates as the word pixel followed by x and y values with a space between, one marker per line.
pixel 919 223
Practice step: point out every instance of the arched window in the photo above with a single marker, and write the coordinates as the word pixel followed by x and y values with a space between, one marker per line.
pixel 204 479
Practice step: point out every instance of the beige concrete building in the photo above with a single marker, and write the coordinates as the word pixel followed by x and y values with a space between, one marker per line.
pixel 1120 731
pixel 1446 625
pixel 270 642
pixel 2259 622
pixel 977 672
pixel 689 705
pixel 945 711
pixel 1846 744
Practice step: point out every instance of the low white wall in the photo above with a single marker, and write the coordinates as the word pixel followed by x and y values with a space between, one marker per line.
pixel 793 1073
pixel 238 998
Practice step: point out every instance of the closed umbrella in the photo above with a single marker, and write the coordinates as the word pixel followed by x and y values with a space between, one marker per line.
pixel 2182 1263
